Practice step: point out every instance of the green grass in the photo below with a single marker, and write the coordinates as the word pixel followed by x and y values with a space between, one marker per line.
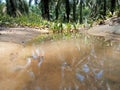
pixel 31 20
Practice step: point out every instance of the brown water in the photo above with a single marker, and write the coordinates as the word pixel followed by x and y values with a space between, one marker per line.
pixel 77 64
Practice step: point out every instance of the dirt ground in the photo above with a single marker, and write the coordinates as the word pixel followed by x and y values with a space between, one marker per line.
pixel 19 35
pixel 107 31
pixel 110 29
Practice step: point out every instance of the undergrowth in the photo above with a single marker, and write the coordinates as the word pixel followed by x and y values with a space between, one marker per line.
pixel 35 21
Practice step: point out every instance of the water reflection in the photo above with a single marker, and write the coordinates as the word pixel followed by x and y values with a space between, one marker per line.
pixel 81 64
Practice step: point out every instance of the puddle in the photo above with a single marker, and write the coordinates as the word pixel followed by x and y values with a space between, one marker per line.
pixel 76 64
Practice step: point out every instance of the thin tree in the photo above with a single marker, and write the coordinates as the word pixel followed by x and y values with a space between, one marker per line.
pixel 81 3
pixel 57 9
pixel 104 12
pixel 67 7
pixel 44 6
pixel 74 10
pixel 113 4
pixel 30 1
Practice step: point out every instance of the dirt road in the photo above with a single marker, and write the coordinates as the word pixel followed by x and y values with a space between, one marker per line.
pixel 19 35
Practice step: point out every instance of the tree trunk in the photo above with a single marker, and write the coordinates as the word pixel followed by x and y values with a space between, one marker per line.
pixel 104 12
pixel 74 10
pixel 81 2
pixel 45 9
pixel 56 10
pixel 11 7
pixel 67 6
pixel 16 7
pixel 30 1
pixel 113 3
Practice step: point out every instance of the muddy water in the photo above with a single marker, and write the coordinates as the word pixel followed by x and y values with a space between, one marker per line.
pixel 76 64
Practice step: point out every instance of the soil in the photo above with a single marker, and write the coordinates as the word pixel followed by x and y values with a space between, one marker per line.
pixel 107 31
pixel 19 35
pixel 110 30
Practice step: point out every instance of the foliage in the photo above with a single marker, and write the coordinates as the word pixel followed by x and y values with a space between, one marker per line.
pixel 62 18
pixel 16 7
pixel 2 8
pixel 64 10
pixel 31 20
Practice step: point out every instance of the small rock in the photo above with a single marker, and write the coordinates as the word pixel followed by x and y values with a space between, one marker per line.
pixel 23 42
